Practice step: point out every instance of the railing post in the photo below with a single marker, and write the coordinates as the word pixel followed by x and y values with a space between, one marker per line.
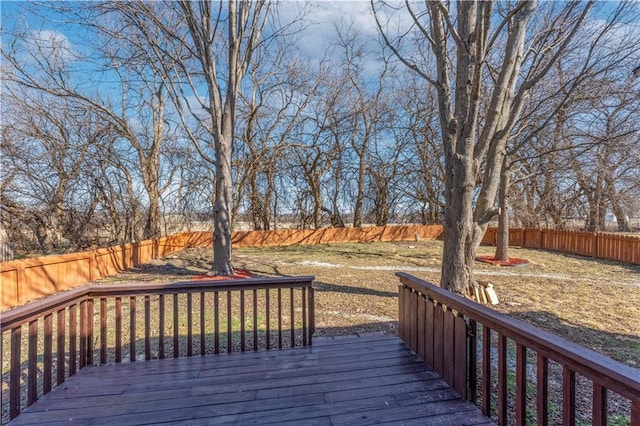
pixel 312 314
pixel 401 312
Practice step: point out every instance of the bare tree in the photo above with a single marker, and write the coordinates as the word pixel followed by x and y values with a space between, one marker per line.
pixel 272 108
pixel 415 130
pixel 206 45
pixel 134 113
pixel 484 60
pixel 46 152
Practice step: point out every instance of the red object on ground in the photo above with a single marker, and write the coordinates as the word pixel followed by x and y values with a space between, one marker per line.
pixel 240 274
pixel 513 261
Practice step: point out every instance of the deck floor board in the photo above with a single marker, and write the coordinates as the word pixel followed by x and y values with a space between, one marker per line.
pixel 339 381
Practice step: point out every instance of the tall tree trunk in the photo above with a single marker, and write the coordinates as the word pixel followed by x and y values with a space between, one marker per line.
pixel 222 210
pixel 458 252
pixel 357 211
pixel 502 244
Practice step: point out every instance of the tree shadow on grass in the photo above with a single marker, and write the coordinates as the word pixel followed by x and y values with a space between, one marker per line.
pixel 327 287
pixel 604 262
pixel 624 348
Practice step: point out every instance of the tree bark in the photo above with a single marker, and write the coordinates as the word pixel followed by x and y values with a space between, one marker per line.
pixel 502 244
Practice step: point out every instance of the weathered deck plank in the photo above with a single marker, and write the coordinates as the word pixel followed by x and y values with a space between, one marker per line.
pixel 356 380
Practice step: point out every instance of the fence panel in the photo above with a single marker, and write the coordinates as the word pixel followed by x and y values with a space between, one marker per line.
pixel 31 279
pixel 619 248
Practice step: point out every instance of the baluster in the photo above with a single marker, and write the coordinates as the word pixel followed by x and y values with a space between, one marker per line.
pixel 407 315
pixel 203 333
pixel 421 326
pixel 103 331
pixel 89 330
pixel 189 325
pixel 242 324
pixel 32 364
pixel 449 352
pixel 147 328
pixel 133 353
pixel 312 314
pixel 255 320
pixel 73 337
pixel 401 310
pixel 216 320
pixel 413 320
pixel 14 379
pixel 292 308
pixel 635 413
pixel 459 361
pixel 229 324
pixel 438 339
pixel 267 332
pixel 161 320
pixel 472 367
pixel 279 318
pixel 48 354
pixel 303 296
pixel 542 391
pixel 118 329
pixel 176 328
pixel 568 396
pixel 83 333
pixel 486 370
pixel 502 379
pixel 521 384
pixel 429 332
pixel 61 346
pixel 599 417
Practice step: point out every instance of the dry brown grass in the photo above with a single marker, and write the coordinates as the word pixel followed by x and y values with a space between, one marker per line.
pixel 592 302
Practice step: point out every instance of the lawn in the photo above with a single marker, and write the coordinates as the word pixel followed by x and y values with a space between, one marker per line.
pixel 592 302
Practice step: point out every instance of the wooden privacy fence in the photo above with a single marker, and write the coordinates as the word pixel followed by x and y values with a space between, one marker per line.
pixel 456 337
pixel 99 324
pixel 31 279
pixel 601 245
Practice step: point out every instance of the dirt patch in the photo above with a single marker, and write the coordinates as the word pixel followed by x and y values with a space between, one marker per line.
pixel 512 261
pixel 240 274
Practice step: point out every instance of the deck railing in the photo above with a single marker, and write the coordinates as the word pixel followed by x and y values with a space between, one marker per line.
pixel 456 337
pixel 99 324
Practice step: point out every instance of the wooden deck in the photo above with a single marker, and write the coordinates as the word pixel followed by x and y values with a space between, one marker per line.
pixel 352 380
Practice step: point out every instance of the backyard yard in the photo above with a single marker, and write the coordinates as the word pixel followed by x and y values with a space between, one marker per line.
pixel 592 302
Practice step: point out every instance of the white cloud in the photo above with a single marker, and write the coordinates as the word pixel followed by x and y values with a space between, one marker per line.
pixel 324 16
pixel 53 46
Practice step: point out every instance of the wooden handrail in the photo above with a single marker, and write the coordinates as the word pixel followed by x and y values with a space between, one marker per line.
pixel 604 372
pixel 22 314
pixel 80 318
